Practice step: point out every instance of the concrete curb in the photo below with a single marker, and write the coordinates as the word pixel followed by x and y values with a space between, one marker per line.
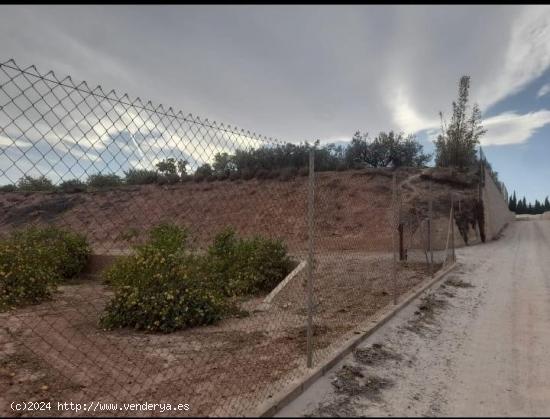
pixel 366 329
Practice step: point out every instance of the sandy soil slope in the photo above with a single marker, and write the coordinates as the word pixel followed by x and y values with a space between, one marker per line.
pixel 352 209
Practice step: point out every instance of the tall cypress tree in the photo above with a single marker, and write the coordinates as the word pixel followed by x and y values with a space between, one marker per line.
pixel 522 206
pixel 513 202
pixel 456 145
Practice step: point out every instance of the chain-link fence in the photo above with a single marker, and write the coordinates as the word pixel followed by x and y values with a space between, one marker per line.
pixel 238 262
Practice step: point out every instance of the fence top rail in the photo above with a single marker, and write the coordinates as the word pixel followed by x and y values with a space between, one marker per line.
pixel 124 99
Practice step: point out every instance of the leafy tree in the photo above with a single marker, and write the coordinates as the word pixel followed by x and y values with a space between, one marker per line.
pixel 387 149
pixel 357 152
pixel 523 207
pixel 8 188
pixel 513 202
pixel 223 165
pixel 456 145
pixel 167 166
pixel 182 167
pixel 204 171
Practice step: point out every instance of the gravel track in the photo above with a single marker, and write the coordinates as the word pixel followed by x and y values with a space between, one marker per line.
pixel 477 345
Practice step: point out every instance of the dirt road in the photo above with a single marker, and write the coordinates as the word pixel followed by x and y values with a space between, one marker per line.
pixel 477 345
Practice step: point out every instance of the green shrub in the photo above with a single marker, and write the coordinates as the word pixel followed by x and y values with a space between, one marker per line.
pixel 26 276
pixel 221 176
pixel 65 251
pixel 8 188
pixel 264 174
pixel 72 186
pixel 29 184
pixel 234 176
pixel 162 287
pixel 242 266
pixel 140 177
pixel 248 174
pixel 168 238
pixel 203 172
pixel 104 181
pixel 33 261
pixel 168 179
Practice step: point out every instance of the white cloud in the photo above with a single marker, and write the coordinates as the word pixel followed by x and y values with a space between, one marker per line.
pixel 544 90
pixel 512 128
pixel 527 56
pixel 8 142
pixel 406 117
pixel 289 80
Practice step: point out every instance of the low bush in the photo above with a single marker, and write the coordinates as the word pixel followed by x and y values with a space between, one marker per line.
pixel 203 172
pixel 162 287
pixel 29 184
pixel 234 176
pixel 104 181
pixel 33 261
pixel 72 186
pixel 26 277
pixel 242 266
pixel 67 252
pixel 8 188
pixel 221 176
pixel 140 177
pixel 248 174
pixel 168 179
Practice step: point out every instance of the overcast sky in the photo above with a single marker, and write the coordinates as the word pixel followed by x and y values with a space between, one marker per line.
pixel 306 72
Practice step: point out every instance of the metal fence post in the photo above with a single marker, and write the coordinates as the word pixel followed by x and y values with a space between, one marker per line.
pixel 394 241
pixel 310 256
pixel 453 227
pixel 430 216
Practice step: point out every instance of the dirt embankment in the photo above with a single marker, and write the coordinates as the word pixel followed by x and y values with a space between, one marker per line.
pixel 352 210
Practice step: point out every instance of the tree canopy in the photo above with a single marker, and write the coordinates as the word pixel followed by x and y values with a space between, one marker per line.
pixel 521 206
pixel 456 144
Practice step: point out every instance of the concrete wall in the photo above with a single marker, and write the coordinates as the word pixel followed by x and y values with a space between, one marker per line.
pixel 497 214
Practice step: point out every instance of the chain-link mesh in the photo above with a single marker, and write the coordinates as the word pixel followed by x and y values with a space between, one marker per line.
pixel 112 168
pixel 69 133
